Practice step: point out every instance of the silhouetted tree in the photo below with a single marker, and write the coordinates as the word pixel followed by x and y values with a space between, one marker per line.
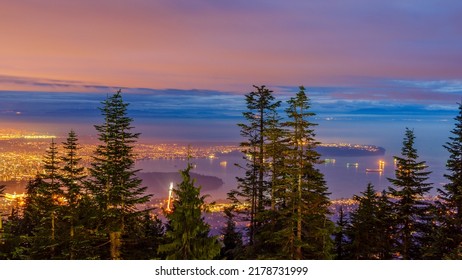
pixel 46 203
pixel 232 238
pixel 448 232
pixel 410 187
pixel 340 239
pixel 385 224
pixel 72 177
pixel 365 231
pixel 308 224
pixel 113 182
pixel 254 188
pixel 270 241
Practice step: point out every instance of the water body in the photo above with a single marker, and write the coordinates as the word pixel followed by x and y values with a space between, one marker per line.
pixel 345 176
pixel 386 131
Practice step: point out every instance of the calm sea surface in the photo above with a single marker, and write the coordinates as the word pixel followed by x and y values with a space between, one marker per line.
pixel 345 176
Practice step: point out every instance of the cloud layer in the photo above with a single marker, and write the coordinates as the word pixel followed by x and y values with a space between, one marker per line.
pixel 227 45
pixel 181 63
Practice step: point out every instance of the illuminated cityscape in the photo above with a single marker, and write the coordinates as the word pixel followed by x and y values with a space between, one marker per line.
pixel 280 113
pixel 21 154
pixel 21 158
pixel 356 147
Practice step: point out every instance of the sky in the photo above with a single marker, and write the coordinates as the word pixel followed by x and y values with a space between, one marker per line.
pixel 185 65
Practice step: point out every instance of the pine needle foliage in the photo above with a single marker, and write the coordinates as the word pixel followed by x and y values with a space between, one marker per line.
pixel 113 182
pixel 307 200
pixel 254 189
pixel 448 234
pixel 187 233
pixel 409 188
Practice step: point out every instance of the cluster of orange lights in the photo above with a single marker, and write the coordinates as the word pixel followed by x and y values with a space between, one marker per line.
pixel 14 197
pixel 20 198
pixel 59 199
pixel 380 169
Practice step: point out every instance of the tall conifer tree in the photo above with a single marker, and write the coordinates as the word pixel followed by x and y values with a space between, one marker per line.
pixel 72 177
pixel 448 237
pixel 47 234
pixel 254 188
pixel 410 187
pixel 42 223
pixel 308 219
pixel 114 183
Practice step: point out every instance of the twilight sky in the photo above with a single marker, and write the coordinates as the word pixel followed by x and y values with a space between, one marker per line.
pixel 194 60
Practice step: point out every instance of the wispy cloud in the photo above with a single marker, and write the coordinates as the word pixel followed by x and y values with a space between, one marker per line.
pixel 369 94
pixel 444 86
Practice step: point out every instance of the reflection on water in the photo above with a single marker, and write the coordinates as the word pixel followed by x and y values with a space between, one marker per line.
pixel 346 179
pixel 345 176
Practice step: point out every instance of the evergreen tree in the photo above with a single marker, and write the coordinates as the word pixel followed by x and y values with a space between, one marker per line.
pixel 113 182
pixel 71 178
pixel 46 204
pixel 276 151
pixel 448 233
pixel 254 188
pixel 365 230
pixel 32 213
pixel 187 233
pixel 409 189
pixel 232 238
pixel 145 236
pixel 10 238
pixel 385 226
pixel 271 243
pixel 340 240
pixel 31 219
pixel 308 226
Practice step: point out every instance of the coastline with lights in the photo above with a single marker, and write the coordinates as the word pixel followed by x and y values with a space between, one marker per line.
pixel 21 153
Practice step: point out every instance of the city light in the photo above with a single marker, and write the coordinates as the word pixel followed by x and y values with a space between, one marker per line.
pixel 170 198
